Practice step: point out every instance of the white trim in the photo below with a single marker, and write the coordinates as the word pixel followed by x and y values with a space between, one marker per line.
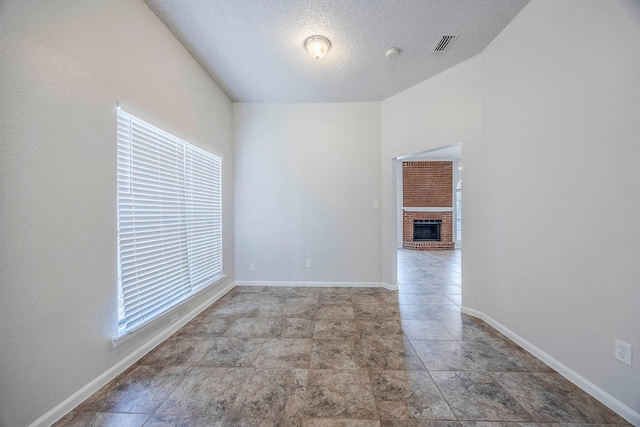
pixel 81 395
pixel 321 284
pixel 117 341
pixel 423 156
pixel 434 209
pixel 417 158
pixel 614 404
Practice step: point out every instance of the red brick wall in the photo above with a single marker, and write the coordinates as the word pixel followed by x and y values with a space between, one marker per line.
pixel 427 184
pixel 446 230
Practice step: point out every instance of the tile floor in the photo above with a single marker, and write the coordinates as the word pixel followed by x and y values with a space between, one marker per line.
pixel 352 357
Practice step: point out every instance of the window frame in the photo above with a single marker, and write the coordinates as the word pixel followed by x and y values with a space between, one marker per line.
pixel 169 222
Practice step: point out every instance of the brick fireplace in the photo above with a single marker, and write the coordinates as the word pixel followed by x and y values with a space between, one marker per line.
pixel 446 236
pixel 427 199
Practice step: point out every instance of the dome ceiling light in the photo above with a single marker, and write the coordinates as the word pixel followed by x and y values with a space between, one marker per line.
pixel 317 46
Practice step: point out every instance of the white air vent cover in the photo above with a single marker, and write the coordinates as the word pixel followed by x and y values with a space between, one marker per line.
pixel 443 43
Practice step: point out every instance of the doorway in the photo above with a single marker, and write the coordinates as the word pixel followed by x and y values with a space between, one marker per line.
pixel 421 203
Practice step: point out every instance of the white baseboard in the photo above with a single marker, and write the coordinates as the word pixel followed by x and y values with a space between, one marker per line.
pixel 611 402
pixel 321 284
pixel 78 397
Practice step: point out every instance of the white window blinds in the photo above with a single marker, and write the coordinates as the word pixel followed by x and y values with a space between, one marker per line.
pixel 169 221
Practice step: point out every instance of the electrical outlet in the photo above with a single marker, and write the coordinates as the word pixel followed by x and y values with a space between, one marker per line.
pixel 375 204
pixel 623 352
pixel 308 263
pixel 174 317
pixel 252 267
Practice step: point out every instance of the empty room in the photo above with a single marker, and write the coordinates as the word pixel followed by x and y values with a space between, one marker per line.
pixel 251 213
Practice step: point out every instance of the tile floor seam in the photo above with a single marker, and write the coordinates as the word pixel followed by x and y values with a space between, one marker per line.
pixel 443 396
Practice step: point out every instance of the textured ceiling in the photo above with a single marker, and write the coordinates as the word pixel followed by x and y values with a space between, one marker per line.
pixel 254 49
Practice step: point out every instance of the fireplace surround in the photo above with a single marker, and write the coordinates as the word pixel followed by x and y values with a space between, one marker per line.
pixel 445 220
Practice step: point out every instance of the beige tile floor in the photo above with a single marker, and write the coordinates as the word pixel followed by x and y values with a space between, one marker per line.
pixel 349 357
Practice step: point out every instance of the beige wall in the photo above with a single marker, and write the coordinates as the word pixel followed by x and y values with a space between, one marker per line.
pixel 551 206
pixel 63 66
pixel 306 179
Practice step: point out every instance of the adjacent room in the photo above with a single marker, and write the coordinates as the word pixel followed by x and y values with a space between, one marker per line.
pixel 214 213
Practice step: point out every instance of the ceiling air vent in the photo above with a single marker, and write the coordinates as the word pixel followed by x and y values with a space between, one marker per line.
pixel 443 43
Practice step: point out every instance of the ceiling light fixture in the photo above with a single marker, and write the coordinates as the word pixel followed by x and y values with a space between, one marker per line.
pixel 317 46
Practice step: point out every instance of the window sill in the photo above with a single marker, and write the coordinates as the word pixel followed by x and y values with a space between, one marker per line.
pixel 127 335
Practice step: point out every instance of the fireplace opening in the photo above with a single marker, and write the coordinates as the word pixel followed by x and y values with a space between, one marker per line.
pixel 426 230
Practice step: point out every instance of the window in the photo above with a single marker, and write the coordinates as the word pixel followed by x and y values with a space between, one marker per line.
pixel 169 221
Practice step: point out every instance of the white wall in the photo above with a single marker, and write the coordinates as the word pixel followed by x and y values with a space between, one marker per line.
pixel 440 111
pixel 306 176
pixel 551 206
pixel 64 64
